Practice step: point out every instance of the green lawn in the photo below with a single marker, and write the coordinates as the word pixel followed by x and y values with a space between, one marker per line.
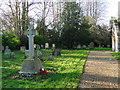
pixel 101 49
pixel 63 72
pixel 116 55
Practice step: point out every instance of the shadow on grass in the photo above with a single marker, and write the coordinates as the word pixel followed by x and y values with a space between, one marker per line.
pixel 58 71
pixel 51 80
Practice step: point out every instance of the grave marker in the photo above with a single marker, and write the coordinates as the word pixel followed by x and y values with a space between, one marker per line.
pixel 7 52
pixel 79 46
pixel 46 45
pixel 12 55
pixel 22 48
pixel 56 52
pixel 39 54
pixel 50 57
pixel 84 46
pixel 42 46
pixel 91 45
pixel 37 47
pixel 53 46
pixel 31 64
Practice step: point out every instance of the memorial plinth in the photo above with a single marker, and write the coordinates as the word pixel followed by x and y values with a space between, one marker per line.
pixel 31 66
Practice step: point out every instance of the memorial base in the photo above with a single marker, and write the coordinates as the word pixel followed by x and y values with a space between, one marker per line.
pixel 31 66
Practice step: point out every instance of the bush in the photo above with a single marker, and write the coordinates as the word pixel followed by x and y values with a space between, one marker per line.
pixel 39 39
pixel 10 39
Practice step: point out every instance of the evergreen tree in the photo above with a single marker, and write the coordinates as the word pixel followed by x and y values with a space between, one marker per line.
pixel 75 26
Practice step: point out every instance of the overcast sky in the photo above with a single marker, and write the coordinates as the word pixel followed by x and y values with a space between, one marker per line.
pixel 112 9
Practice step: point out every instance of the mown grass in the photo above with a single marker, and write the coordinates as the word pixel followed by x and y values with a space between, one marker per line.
pixel 116 55
pixel 101 49
pixel 63 72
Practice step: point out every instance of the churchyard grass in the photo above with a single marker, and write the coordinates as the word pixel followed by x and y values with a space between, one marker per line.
pixel 63 72
pixel 101 49
pixel 116 55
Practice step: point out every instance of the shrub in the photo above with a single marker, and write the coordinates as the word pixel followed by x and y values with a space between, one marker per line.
pixel 10 39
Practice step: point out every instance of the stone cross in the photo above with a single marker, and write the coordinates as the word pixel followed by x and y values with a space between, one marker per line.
pixel 30 34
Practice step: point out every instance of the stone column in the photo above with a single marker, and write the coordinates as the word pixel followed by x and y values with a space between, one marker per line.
pixel 116 44
pixel 113 43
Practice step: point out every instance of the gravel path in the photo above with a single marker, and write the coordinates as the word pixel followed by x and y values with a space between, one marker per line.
pixel 101 71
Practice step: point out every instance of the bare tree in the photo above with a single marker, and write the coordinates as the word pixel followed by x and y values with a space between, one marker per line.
pixel 95 10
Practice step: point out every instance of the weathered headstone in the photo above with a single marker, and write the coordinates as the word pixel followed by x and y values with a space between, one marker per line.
pixel 91 45
pixel 46 45
pixel 22 48
pixel 103 46
pixel 31 64
pixel 53 46
pixel 7 52
pixel 42 46
pixel 79 46
pixel 39 54
pixel 108 46
pixel 84 46
pixel 50 57
pixel 37 47
pixel 56 52
pixel 12 55
pixel 99 46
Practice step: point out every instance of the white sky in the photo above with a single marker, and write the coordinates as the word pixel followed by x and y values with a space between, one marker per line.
pixel 112 9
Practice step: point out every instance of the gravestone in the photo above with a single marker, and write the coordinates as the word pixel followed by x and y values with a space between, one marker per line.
pixel 42 46
pixel 108 46
pixel 46 45
pixel 84 46
pixel 37 47
pixel 12 55
pixel 56 52
pixel 79 46
pixel 91 45
pixel 22 48
pixel 50 57
pixel 103 46
pixel 53 46
pixel 31 64
pixel 99 46
pixel 39 54
pixel 7 52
